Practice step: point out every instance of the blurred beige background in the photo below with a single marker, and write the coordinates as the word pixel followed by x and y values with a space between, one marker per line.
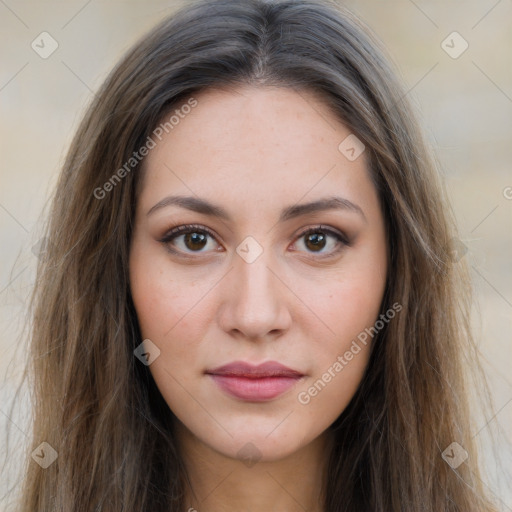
pixel 465 102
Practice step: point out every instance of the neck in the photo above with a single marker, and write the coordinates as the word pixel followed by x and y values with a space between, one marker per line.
pixel 219 483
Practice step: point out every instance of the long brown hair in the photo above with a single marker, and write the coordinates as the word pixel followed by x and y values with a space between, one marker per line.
pixel 110 426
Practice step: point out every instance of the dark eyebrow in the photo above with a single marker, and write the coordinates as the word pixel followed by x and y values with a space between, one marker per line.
pixel 328 203
pixel 206 208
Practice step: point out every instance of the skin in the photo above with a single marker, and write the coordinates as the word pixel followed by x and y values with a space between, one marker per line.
pixel 254 151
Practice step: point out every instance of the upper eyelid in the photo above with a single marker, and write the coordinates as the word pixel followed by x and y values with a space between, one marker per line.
pixel 327 229
pixel 184 228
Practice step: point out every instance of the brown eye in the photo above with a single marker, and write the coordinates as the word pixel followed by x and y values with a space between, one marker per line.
pixel 323 241
pixel 195 241
pixel 315 241
pixel 189 239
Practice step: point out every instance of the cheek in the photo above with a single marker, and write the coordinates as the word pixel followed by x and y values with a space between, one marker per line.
pixel 346 308
pixel 340 359
pixel 171 314
pixel 344 305
pixel 164 299
pixel 168 315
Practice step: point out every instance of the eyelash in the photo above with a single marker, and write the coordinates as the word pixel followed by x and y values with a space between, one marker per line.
pixel 194 228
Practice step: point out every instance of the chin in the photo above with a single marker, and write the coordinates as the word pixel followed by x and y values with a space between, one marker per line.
pixel 259 440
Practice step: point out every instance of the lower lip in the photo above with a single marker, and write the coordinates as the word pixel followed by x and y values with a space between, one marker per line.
pixel 255 390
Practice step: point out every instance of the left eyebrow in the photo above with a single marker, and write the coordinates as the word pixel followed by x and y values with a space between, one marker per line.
pixel 328 203
pixel 205 207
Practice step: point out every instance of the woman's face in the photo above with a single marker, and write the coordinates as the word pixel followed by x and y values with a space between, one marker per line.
pixel 285 266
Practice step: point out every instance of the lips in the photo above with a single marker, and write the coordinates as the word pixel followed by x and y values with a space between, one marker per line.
pixel 255 383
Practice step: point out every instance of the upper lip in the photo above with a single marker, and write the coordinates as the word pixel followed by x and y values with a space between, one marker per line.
pixel 242 369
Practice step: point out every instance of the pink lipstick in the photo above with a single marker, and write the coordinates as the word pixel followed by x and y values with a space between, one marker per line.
pixel 254 383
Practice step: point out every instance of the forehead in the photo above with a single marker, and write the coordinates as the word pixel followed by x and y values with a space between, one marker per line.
pixel 257 115
pixel 254 144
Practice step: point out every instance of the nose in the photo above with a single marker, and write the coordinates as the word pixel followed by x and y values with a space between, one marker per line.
pixel 256 300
